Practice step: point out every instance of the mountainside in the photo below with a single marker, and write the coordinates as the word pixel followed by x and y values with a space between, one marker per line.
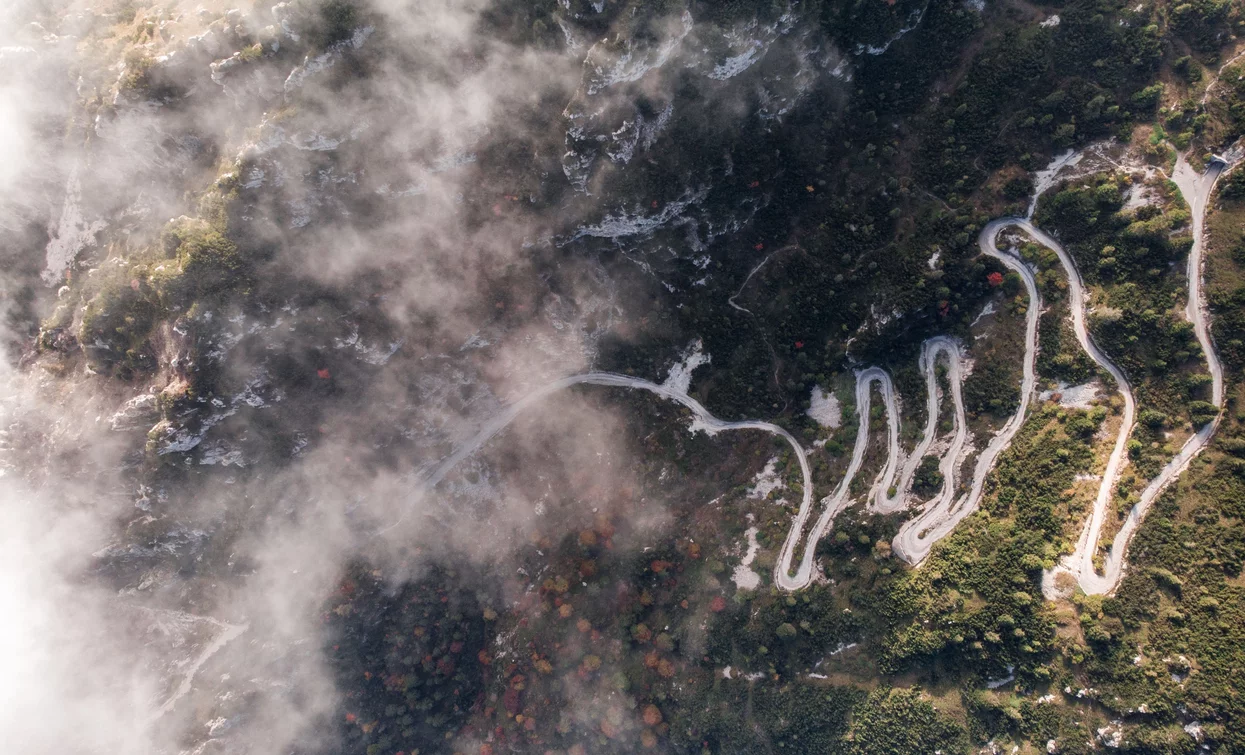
pixel 396 377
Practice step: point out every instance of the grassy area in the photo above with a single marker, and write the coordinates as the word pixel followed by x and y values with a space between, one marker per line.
pixel 1225 274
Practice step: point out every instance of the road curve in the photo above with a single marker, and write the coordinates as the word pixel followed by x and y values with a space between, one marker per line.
pixel 886 502
pixel 1196 190
pixel 879 492
pixel 1081 562
pixel 704 420
pixel 841 497
pixel 918 535
pixel 906 542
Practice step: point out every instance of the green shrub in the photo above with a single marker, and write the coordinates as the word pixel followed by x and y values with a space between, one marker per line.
pixel 1146 100
pixel 252 53
pixel 1233 186
pixel 1202 412
pixel 1234 446
pixel 928 479
pixel 203 263
pixel 116 323
pixel 903 722
pixel 338 20
pixel 137 76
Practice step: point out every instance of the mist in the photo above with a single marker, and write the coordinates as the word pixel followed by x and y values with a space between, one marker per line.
pixel 265 267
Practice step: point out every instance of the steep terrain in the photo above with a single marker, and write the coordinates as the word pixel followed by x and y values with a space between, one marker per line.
pixel 394 377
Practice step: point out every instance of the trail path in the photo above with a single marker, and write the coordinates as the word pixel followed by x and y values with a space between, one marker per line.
pixel 765 339
pixel 1218 75
pixel 227 633
pixel 748 278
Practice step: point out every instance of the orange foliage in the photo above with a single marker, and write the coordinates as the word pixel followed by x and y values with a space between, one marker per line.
pixel 652 715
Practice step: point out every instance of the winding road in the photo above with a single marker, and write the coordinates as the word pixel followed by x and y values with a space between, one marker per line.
pixel 888 496
pixel 1082 560
pixel 841 497
pixel 702 420
pixel 918 535
pixel 226 634
pixel 1196 189
pixel 945 511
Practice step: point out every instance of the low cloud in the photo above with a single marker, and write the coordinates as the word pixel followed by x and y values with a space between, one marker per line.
pixel 419 203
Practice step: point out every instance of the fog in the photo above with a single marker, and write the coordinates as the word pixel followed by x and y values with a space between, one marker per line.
pixel 434 215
